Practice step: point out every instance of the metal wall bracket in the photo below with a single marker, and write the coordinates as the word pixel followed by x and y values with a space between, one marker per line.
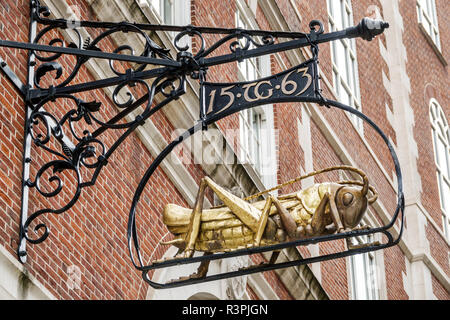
pixel 75 152
pixel 22 89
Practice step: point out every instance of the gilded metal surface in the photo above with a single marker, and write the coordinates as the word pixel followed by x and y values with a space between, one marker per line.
pixel 320 209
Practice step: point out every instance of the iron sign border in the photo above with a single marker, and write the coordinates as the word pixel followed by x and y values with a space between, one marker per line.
pixel 399 210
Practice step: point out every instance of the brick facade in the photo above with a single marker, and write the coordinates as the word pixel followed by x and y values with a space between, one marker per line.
pixel 92 235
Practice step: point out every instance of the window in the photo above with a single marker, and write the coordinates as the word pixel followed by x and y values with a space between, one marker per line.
pixel 165 9
pixel 343 55
pixel 426 13
pixel 441 143
pixel 363 273
pixel 256 124
pixel 250 68
pixel 170 12
pixel 252 122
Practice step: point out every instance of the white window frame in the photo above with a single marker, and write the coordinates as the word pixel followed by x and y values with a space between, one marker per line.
pixel 257 145
pixel 160 7
pixel 255 62
pixel 363 273
pixel 180 15
pixel 251 137
pixel 365 285
pixel 427 16
pixel 179 12
pixel 345 78
pixel 440 130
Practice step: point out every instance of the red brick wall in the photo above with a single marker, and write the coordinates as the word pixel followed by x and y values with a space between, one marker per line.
pixel 374 96
pixel 429 79
pixel 437 244
pixel 272 279
pixel 220 14
pixel 251 293
pixel 91 235
pixel 11 125
pixel 334 272
pixel 395 269
pixel 438 290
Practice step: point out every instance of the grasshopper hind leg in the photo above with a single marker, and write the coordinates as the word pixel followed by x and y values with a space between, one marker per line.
pixel 203 268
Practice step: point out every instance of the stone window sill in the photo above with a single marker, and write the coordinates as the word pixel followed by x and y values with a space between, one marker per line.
pixel 433 45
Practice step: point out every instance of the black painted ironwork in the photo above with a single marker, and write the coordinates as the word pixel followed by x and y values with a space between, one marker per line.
pixel 50 81
pixel 222 99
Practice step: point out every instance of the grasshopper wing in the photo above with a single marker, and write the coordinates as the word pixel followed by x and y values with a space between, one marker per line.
pixel 247 213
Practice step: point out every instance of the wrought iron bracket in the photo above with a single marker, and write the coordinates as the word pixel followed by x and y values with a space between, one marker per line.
pixel 155 72
pixel 13 78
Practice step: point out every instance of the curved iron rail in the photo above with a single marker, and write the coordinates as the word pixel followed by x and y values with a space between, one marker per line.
pixel 132 236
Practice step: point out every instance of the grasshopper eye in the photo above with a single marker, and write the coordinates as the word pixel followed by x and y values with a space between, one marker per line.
pixel 347 199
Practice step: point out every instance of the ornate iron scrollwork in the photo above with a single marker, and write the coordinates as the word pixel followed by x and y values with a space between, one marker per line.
pixel 57 133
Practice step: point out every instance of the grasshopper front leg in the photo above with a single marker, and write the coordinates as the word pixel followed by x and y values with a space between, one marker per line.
pixel 331 200
pixel 289 224
pixel 319 224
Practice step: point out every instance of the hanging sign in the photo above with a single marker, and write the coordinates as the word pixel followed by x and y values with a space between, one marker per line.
pixel 222 99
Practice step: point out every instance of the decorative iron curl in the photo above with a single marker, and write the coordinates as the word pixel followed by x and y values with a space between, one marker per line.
pixel 41 140
pixel 58 167
pixel 235 45
pixel 86 150
pixel 42 12
pixel 50 63
pixel 250 40
pixel 151 49
pixel 131 103
pixel 83 110
pixel 190 33
pixel 267 39
pixel 54 41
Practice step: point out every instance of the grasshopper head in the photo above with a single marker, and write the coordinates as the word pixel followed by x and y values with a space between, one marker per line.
pixel 352 198
pixel 351 203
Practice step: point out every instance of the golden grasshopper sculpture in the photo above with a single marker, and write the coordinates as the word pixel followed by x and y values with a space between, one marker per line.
pixel 322 209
